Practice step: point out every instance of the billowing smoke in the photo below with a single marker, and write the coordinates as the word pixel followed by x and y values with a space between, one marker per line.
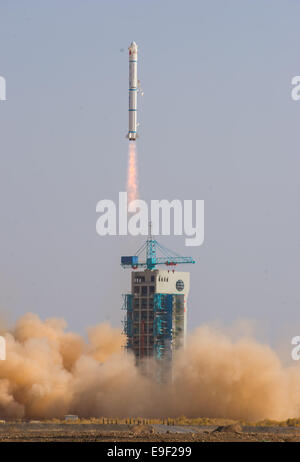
pixel 132 172
pixel 241 379
pixel 50 372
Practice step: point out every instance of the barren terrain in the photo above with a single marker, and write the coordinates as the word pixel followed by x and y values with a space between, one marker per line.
pixel 78 432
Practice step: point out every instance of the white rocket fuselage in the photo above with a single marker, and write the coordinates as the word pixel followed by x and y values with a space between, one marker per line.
pixel 133 90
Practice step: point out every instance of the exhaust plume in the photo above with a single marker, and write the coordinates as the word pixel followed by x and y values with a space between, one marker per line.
pixel 50 372
pixel 132 173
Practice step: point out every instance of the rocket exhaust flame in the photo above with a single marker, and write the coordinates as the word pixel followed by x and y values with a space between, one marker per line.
pixel 132 173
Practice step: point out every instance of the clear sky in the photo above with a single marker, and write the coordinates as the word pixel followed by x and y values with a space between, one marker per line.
pixel 217 123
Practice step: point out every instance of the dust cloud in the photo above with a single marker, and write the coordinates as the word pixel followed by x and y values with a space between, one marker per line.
pixel 50 372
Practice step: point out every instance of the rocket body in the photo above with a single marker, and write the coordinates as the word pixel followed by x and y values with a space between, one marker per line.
pixel 133 90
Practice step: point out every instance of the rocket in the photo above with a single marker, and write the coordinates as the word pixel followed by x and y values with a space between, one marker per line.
pixel 133 90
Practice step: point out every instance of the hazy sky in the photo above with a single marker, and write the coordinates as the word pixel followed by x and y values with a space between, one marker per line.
pixel 217 123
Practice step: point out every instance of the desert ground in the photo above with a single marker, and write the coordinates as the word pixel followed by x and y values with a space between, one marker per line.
pixel 38 431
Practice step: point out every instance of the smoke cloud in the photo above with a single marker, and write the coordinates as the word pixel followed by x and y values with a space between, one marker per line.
pixel 50 372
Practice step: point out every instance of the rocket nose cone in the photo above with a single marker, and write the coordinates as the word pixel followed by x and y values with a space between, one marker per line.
pixel 133 45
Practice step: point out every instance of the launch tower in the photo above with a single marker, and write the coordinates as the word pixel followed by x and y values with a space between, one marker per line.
pixel 156 307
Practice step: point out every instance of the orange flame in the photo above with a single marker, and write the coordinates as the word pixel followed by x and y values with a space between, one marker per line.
pixel 132 174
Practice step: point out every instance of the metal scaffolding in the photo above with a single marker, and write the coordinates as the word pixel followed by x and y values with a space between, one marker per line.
pixel 162 327
pixel 128 319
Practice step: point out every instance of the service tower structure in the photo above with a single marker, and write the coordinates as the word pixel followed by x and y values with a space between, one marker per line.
pixel 156 308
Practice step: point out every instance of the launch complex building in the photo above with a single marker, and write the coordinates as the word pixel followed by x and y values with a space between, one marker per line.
pixel 156 308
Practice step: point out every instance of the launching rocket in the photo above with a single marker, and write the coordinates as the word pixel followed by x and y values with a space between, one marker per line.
pixel 133 90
